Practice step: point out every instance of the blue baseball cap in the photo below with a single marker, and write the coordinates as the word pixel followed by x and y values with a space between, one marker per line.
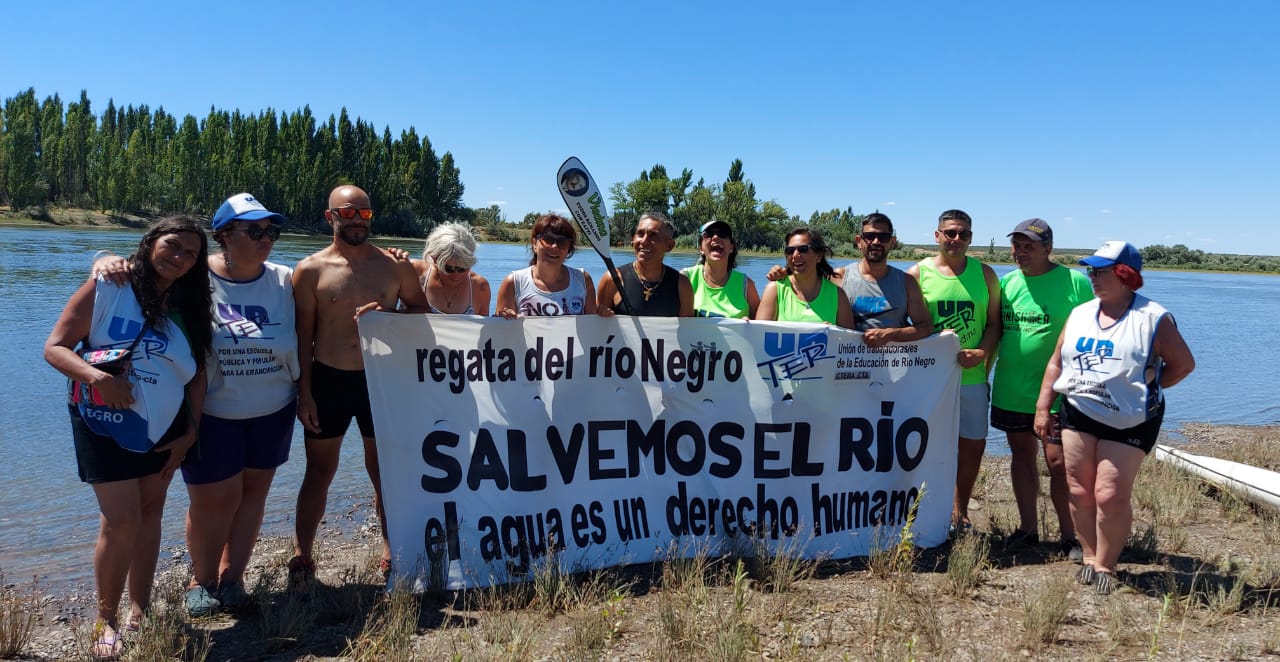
pixel 1113 253
pixel 243 207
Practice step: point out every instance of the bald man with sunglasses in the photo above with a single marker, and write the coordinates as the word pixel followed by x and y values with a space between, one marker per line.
pixel 331 288
pixel 963 295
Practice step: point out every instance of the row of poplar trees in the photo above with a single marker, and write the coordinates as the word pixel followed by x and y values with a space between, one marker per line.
pixel 133 160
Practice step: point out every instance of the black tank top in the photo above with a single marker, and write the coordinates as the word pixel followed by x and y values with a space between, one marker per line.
pixel 664 300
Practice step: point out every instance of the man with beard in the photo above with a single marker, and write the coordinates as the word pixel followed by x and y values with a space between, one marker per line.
pixel 1036 299
pixel 887 303
pixel 963 295
pixel 330 289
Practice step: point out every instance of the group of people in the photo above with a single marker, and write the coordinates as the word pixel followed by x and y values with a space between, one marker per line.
pixel 228 349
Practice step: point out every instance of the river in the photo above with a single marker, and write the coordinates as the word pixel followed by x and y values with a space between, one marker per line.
pixel 48 520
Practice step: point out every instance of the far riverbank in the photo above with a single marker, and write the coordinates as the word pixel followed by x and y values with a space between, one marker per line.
pixel 72 218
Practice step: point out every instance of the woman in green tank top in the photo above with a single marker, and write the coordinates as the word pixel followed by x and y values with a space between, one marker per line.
pixel 719 290
pixel 807 293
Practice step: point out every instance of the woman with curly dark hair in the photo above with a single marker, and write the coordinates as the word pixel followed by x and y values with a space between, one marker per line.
pixel 806 294
pixel 132 430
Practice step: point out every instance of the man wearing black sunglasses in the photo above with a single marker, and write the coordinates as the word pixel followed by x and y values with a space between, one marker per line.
pixel 887 303
pixel 963 295
pixel 331 288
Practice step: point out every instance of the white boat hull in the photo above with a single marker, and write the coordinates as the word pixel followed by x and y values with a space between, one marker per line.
pixel 1260 486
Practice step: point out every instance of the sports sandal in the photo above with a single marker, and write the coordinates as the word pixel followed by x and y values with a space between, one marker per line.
pixel 1071 549
pixel 1104 583
pixel 233 597
pixel 1020 539
pixel 108 646
pixel 200 602
pixel 1085 575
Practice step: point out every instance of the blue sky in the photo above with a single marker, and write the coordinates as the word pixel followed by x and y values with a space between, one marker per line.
pixel 1154 122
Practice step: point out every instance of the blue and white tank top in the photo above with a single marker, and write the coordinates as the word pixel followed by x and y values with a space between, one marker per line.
pixel 160 368
pixel 1110 374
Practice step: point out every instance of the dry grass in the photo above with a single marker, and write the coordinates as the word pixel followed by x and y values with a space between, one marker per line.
pixel 1204 587
pixel 19 608
pixel 1044 610
pixel 165 633
pixel 389 633
pixel 969 558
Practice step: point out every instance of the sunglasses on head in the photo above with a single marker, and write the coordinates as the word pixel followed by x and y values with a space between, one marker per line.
pixel 450 269
pixel 798 248
pixel 551 240
pixel 882 237
pixel 256 232
pixel 958 234
pixel 348 213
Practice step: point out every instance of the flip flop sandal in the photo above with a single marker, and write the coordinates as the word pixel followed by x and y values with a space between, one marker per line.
pixel 107 646
pixel 1086 575
pixel 1105 583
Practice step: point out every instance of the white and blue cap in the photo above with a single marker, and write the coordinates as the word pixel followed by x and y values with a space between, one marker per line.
pixel 1113 253
pixel 243 207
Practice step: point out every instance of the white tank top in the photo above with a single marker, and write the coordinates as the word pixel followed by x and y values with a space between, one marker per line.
pixel 255 347
pixel 534 302
pixel 1110 374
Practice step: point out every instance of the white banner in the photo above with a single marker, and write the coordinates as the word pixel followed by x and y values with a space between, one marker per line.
pixel 623 440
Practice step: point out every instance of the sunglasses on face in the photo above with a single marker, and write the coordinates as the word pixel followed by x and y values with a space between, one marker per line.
pixel 958 234
pixel 552 240
pixel 256 232
pixel 717 233
pixel 802 249
pixel 348 213
pixel 882 237
pixel 450 269
pixel 1093 273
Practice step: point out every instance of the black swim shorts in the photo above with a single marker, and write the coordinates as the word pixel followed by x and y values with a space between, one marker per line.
pixel 1142 436
pixel 101 460
pixel 1015 421
pixel 339 395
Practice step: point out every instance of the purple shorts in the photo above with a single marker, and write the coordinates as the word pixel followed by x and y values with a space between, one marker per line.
pixel 229 446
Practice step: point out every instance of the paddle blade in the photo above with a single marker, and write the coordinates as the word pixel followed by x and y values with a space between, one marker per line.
pixel 585 202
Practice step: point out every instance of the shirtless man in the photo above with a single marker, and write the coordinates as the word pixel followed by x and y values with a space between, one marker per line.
pixel 330 289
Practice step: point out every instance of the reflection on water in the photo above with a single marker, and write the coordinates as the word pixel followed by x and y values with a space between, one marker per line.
pixel 49 519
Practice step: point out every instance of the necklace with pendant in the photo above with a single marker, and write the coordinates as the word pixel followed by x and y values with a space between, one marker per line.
pixel 706 276
pixel 644 284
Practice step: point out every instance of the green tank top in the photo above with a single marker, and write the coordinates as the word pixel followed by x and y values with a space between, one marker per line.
pixel 727 301
pixel 959 303
pixel 822 309
pixel 1033 311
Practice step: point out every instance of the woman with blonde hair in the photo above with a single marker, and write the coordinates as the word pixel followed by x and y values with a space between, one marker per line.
pixel 446 274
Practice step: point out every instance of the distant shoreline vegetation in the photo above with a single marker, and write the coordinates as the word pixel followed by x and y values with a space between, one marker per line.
pixel 1177 257
pixel 64 164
